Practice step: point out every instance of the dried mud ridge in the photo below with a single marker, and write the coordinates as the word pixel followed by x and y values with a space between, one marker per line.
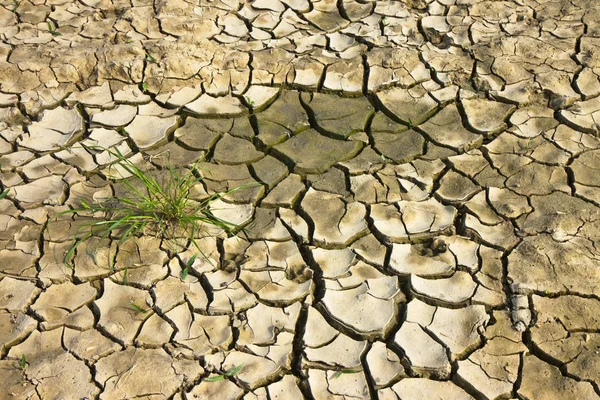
pixel 421 218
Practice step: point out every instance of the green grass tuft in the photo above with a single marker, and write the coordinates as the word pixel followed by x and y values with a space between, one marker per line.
pixel 151 207
pixel 230 372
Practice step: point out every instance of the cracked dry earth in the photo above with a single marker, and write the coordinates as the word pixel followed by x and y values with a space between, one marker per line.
pixel 424 221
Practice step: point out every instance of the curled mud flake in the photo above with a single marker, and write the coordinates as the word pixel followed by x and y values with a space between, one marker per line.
pixel 368 310
pixel 426 356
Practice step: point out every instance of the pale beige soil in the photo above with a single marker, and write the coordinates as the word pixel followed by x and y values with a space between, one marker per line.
pixel 422 215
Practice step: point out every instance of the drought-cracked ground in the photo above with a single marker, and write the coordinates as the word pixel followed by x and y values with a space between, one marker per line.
pixel 422 219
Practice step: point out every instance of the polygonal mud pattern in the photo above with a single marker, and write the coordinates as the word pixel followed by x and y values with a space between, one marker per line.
pixel 419 199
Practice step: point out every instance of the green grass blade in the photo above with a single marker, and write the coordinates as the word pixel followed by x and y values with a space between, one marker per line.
pixel 72 249
pixel 113 225
pixel 191 260
pixel 137 308
pixel 135 227
pixel 184 273
pixel 199 250
pixel 235 370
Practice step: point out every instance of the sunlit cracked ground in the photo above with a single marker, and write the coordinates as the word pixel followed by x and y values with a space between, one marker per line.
pixel 421 212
